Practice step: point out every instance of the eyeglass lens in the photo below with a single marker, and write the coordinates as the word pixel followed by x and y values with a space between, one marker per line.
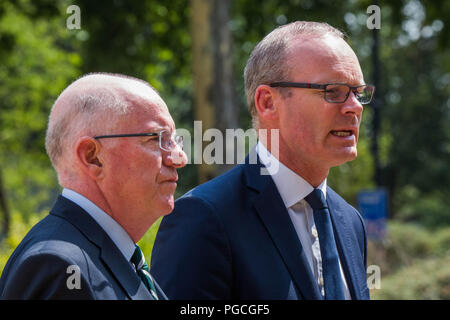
pixel 168 141
pixel 339 93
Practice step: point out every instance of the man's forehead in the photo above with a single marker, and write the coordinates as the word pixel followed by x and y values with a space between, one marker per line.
pixel 145 115
pixel 144 103
pixel 318 48
pixel 326 54
pixel 138 94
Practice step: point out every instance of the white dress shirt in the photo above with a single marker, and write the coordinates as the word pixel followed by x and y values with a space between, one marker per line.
pixel 293 189
pixel 114 230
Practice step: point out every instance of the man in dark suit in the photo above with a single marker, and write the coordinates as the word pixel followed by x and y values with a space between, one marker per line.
pixel 110 139
pixel 271 228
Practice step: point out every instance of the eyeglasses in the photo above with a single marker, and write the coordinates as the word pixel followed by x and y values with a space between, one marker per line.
pixel 167 140
pixel 334 92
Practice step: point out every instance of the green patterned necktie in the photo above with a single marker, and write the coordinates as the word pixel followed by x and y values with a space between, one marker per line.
pixel 143 271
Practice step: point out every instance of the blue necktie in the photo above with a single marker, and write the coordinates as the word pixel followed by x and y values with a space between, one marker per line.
pixel 143 271
pixel 334 289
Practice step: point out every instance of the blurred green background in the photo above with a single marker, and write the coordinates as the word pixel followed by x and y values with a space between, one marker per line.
pixel 153 40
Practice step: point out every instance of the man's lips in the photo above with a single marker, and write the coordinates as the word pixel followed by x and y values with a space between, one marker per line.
pixel 171 180
pixel 344 132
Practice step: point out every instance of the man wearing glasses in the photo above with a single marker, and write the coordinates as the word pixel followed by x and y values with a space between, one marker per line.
pixel 111 141
pixel 285 234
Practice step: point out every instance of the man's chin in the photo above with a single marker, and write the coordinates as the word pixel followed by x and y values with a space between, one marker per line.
pixel 168 205
pixel 343 157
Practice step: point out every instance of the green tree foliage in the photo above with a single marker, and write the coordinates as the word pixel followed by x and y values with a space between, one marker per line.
pixel 428 280
pixel 145 39
pixel 35 67
pixel 416 78
pixel 413 262
pixel 19 228
pixel 414 91
pixel 151 40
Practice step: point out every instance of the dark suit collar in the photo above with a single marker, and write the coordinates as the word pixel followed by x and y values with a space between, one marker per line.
pixel 270 207
pixel 347 244
pixel 110 254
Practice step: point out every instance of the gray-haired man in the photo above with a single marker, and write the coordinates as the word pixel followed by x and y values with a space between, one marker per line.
pixel 110 139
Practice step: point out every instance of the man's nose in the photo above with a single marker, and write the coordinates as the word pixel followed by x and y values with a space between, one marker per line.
pixel 176 158
pixel 352 105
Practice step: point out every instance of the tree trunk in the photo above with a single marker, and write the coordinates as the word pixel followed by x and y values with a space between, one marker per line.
pixel 212 73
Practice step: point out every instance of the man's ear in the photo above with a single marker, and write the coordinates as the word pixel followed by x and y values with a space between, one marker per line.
pixel 87 154
pixel 265 97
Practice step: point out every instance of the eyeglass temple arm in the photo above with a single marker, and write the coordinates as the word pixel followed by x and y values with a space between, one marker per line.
pixel 127 135
pixel 298 85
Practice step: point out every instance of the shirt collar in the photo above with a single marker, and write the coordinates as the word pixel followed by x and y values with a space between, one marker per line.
pixel 290 185
pixel 114 230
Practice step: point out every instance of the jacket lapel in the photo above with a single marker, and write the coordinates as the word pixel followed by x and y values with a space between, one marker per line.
pixel 271 209
pixel 159 291
pixel 347 246
pixel 109 253
pixel 123 272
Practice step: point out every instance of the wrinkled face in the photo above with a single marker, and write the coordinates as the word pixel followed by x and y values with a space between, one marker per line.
pixel 312 130
pixel 139 176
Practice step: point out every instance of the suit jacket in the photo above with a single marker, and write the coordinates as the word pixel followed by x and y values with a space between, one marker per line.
pixel 232 238
pixel 41 266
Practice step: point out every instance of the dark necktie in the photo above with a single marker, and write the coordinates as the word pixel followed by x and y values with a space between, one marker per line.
pixel 143 271
pixel 334 289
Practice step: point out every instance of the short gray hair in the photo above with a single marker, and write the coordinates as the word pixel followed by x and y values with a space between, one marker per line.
pixel 83 110
pixel 267 60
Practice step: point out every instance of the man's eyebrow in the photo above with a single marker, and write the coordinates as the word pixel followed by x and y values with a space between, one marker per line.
pixel 156 129
pixel 343 82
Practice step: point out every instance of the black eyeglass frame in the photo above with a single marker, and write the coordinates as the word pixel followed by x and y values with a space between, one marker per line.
pixel 305 85
pixel 149 134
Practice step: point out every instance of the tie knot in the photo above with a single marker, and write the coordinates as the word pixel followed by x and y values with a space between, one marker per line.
pixel 138 258
pixel 316 200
